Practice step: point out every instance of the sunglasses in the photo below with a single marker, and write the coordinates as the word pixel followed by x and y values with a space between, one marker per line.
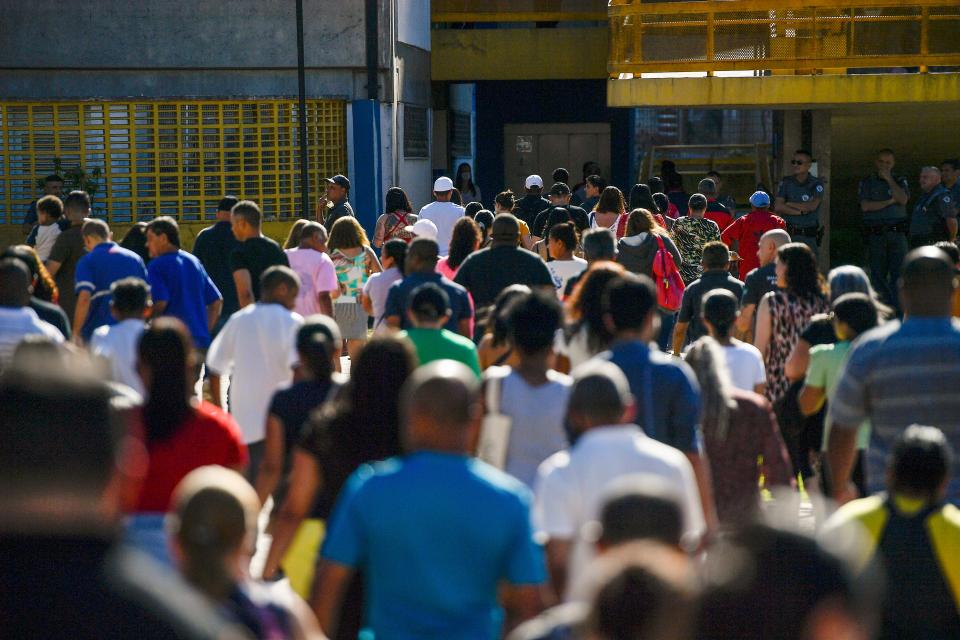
pixel 798 162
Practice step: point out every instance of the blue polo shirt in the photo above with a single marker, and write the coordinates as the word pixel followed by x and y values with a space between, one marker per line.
pixel 96 271
pixel 400 294
pixel 665 391
pixel 434 534
pixel 179 279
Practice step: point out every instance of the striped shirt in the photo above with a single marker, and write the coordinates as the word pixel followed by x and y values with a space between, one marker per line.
pixel 897 375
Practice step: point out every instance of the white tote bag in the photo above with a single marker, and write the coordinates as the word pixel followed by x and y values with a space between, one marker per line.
pixel 495 429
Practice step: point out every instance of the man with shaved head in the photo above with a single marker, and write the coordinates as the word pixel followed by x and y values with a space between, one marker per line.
pixel 572 485
pixel 899 374
pixel 437 533
pixel 760 281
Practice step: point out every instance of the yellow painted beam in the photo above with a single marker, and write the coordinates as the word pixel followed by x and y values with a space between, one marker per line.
pixel 631 7
pixel 785 91
pixel 519 54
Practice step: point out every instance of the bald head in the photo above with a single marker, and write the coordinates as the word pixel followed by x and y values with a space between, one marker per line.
pixel 15 283
pixel 927 280
pixel 600 396
pixel 769 243
pixel 440 407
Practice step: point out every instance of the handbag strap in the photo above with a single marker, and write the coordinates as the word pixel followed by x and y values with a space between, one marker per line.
pixel 494 384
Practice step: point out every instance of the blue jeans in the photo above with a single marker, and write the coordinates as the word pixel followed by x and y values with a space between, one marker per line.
pixel 667 320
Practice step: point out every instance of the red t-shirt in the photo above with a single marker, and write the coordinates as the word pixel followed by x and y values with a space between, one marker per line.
pixel 746 230
pixel 722 218
pixel 209 436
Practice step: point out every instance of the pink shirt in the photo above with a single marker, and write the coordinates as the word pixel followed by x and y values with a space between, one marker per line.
pixel 317 274
pixel 445 269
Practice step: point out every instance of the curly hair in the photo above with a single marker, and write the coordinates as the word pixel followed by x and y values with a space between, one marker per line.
pixel 464 241
pixel 44 287
pixel 803 276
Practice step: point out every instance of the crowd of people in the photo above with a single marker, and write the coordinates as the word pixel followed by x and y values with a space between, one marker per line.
pixel 578 415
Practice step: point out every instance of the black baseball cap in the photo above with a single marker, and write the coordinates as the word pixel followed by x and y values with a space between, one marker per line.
pixel 559 189
pixel 339 180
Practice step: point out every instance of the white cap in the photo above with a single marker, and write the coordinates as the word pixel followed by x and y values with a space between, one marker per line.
pixel 533 181
pixel 442 184
pixel 423 229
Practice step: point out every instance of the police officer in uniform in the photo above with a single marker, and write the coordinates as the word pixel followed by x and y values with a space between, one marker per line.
pixel 935 214
pixel 798 201
pixel 883 200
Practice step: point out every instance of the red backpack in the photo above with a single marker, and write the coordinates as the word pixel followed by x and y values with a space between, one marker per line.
pixel 669 283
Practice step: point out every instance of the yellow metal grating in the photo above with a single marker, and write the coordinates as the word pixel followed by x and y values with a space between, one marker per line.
pixel 170 158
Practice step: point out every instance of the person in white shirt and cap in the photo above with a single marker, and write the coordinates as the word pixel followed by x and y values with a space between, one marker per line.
pixel 443 213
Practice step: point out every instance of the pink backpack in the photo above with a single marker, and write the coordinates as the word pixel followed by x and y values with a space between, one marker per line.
pixel 669 283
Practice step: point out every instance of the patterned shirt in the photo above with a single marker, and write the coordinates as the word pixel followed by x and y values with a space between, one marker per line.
pixel 789 317
pixel 690 235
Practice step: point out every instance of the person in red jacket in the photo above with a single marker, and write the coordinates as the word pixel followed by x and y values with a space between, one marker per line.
pixel 746 231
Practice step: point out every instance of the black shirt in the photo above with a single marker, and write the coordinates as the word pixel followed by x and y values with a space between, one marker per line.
pixel 256 255
pixel 529 206
pixel 293 407
pixel 758 283
pixel 89 589
pixel 487 272
pixel 213 247
pixel 577 215
pixel 693 299
pixel 49 312
pixel 340 210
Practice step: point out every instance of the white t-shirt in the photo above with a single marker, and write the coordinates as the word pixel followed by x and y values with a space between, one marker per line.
pixel 444 215
pixel 117 344
pixel 317 274
pixel 16 323
pixel 257 349
pixel 745 364
pixel 571 485
pixel 563 270
pixel 46 236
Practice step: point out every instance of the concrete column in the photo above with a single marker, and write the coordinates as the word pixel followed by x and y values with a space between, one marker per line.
pixel 822 136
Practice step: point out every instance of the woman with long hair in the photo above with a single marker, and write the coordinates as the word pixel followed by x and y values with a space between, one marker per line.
pixel 465 240
pixel 354 261
pixel 738 428
pixel 293 236
pixel 609 210
pixel 44 287
pixel 642 198
pixel 398 215
pixel 464 183
pixel 136 240
pixel 180 433
pixel 484 220
pixel 586 334
pixel 495 348
pixel 362 425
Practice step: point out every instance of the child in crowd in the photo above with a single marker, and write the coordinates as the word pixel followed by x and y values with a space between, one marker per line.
pixel 117 344
pixel 49 213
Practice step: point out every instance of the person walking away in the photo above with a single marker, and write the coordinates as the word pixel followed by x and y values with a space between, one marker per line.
pixel 642 198
pixel 334 203
pixel 571 485
pixel 213 248
pixel 564 266
pixel 428 312
pixel 361 426
pixel 719 313
pixel 179 285
pixel 918 358
pixel 739 428
pixel 461 527
pixel 726 200
pixel 760 281
pixel 255 254
pixel 256 348
pixel 67 250
pixel 465 240
pixel 935 213
pixel 495 348
pixel 609 212
pixel 318 276
pixel 716 275
pixel 375 291
pixel 598 245
pixel 442 212
pixel 691 233
pixel 716 211
pixel 530 205
pixel 743 234
pixel 213 531
pixel 883 200
pixel 798 201
pixel 116 344
pixel 911 530
pixel 180 433
pixel 586 333
pixel 354 261
pixel 393 224
pixel 530 394
pixel 17 319
pixel 559 196
pixel 104 263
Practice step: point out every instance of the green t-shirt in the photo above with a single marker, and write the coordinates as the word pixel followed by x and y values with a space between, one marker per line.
pixel 824 372
pixel 440 344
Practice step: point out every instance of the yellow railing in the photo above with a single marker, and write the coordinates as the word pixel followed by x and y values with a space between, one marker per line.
pixel 170 158
pixel 493 11
pixel 800 36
